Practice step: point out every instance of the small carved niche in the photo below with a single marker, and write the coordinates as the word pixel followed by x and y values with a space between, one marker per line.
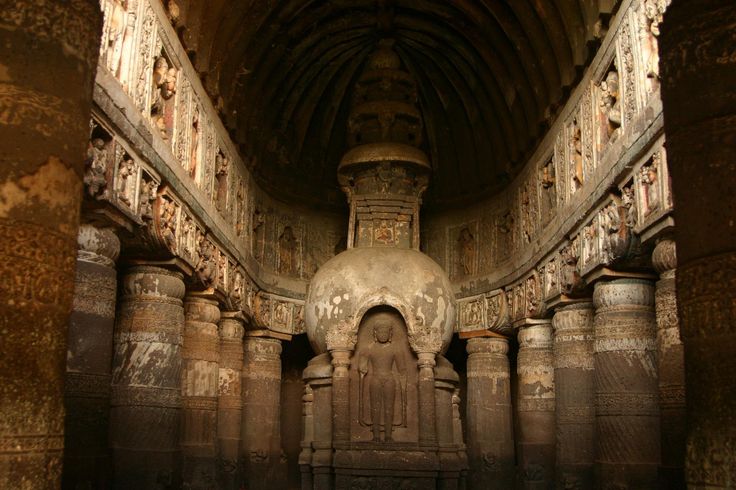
pixel 383 381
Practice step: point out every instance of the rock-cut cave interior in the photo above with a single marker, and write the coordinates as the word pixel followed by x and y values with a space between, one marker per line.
pixel 367 244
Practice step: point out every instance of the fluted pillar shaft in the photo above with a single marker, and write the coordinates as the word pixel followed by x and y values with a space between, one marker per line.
pixel 698 68
pixel 146 379
pixel 199 382
pixel 626 392
pixel 489 426
pixel 229 401
pixel 574 395
pixel 670 367
pixel 89 360
pixel 536 376
pixel 261 411
pixel 49 55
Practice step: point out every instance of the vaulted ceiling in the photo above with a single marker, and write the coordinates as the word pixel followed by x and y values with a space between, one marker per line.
pixel 490 74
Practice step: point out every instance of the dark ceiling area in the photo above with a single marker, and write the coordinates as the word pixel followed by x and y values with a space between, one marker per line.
pixel 490 75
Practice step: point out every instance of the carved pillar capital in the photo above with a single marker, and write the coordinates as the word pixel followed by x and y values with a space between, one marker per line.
pixel 664 256
pixel 488 345
pixel 98 245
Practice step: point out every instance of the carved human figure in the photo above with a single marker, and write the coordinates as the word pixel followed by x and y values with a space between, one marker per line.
pixel 650 193
pixel 112 36
pixel 547 181
pixel 375 367
pixel 651 14
pixel 628 201
pixel 164 88
pixel 206 268
pixel 194 156
pixel 168 223
pixel 287 251
pixel 577 156
pixel 222 168
pixel 125 173
pixel 148 196
pixel 611 104
pixel 94 177
pixel 466 251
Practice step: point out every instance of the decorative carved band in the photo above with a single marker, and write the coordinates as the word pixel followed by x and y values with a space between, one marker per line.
pixel 142 396
pixel 163 337
pixel 626 404
pixel 87 385
pixel 31 444
pixel 199 402
pixel 536 404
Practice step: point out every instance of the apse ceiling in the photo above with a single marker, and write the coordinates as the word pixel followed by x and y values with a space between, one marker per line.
pixel 489 72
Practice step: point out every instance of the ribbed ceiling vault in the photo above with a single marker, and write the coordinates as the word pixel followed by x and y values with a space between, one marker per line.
pixel 490 73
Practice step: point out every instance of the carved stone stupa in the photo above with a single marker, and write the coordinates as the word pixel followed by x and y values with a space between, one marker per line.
pixel 379 395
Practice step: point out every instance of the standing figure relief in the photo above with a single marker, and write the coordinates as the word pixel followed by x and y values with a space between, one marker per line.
pixel 382 371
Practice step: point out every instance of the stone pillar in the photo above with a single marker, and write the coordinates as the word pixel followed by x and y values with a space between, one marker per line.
pixel 446 381
pixel 427 415
pixel 229 401
pixel 146 379
pixel 458 437
pixel 89 360
pixel 49 54
pixel 670 367
pixel 305 456
pixel 489 417
pixel 536 377
pixel 319 376
pixel 200 355
pixel 698 68
pixel 574 395
pixel 261 411
pixel 627 412
pixel 340 396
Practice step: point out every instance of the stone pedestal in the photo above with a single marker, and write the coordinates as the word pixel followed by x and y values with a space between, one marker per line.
pixel 261 445
pixel 670 367
pixel 89 360
pixel 146 379
pixel 699 104
pixel 626 392
pixel 535 369
pixel 574 395
pixel 49 54
pixel 489 418
pixel 199 382
pixel 229 401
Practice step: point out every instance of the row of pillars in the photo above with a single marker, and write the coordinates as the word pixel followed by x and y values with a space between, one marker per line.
pixel 168 376
pixel 595 383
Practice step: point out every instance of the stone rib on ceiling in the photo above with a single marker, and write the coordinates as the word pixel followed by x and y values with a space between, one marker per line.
pixel 490 73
